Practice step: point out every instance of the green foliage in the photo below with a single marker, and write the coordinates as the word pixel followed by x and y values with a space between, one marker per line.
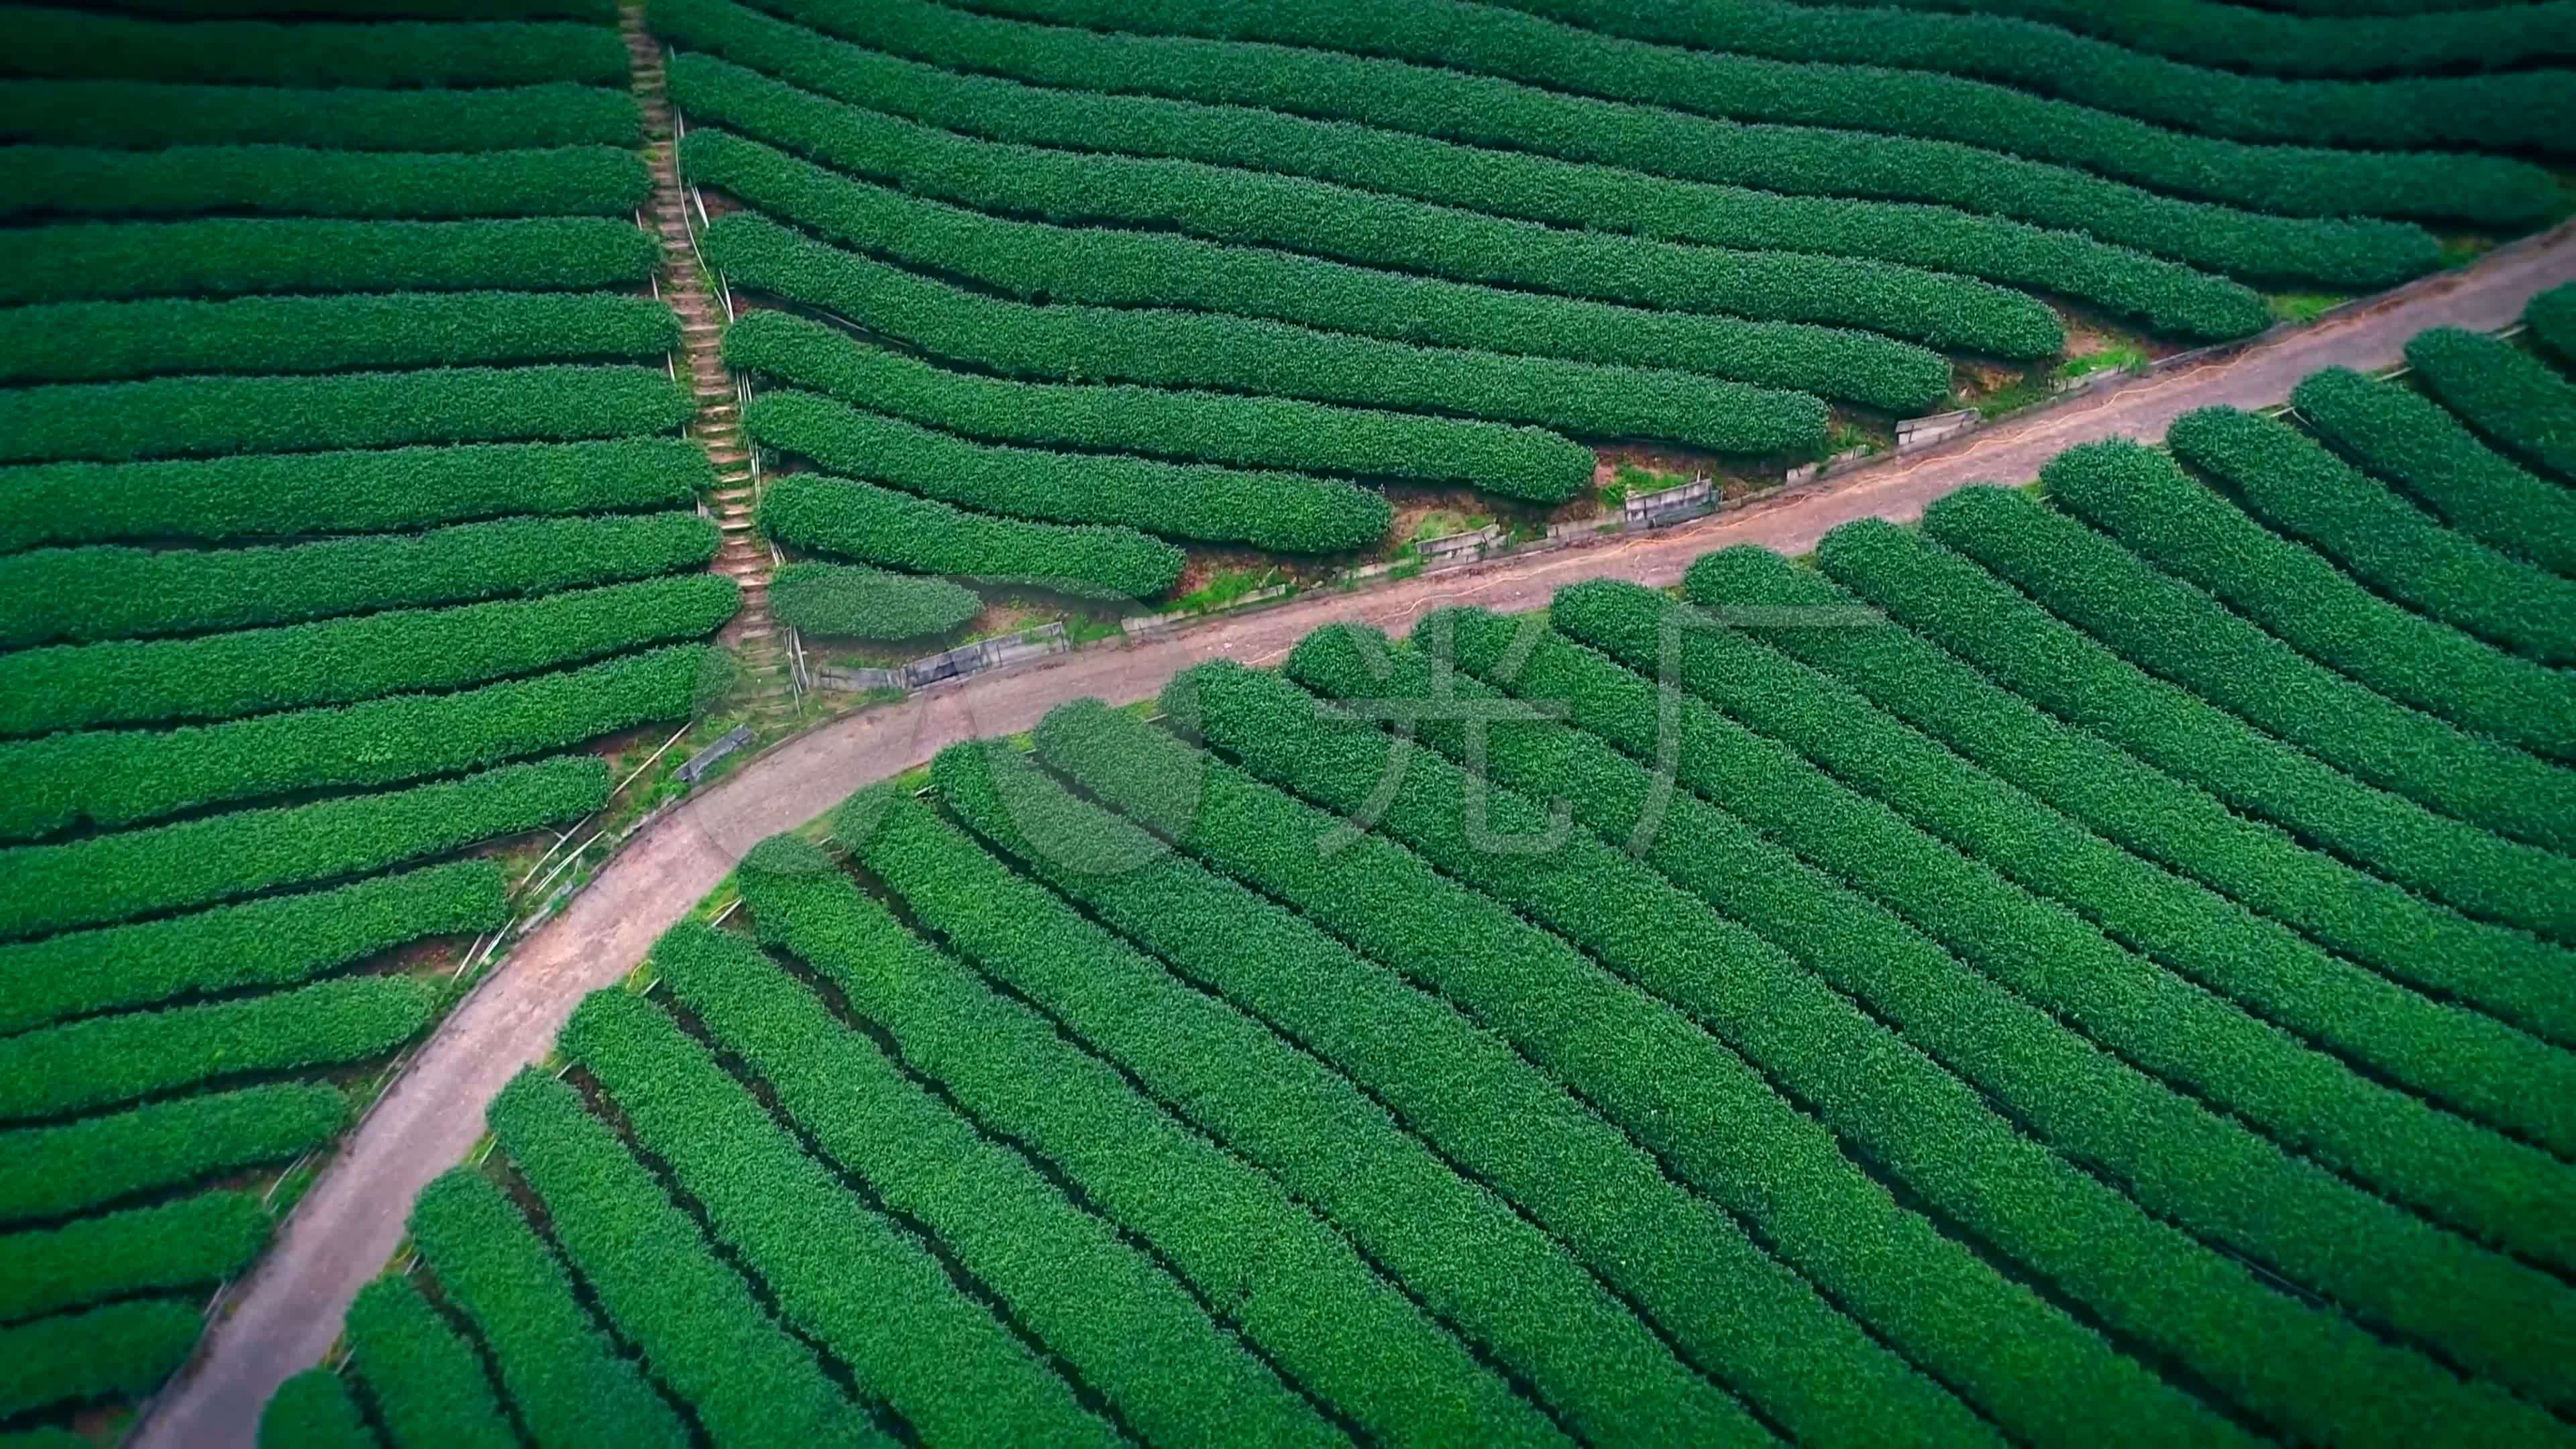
pixel 314 54
pixel 114 778
pixel 89 594
pixel 143 114
pixel 2158 816
pixel 339 661
pixel 104 879
pixel 1429 251
pixel 275 941
pixel 123 1349
pixel 53 1171
pixel 2180 634
pixel 597 11
pixel 2506 394
pixel 564 1375
pixel 1981 620
pixel 107 260
pixel 185 181
pixel 192 1243
pixel 1292 1285
pixel 107 1060
pixel 847 601
pixel 373 491
pixel 2411 442
pixel 1189 349
pixel 875 525
pixel 424 1377
pixel 2311 37
pixel 313 1410
pixel 109 341
pixel 661 1286
pixel 2551 316
pixel 1289 512
pixel 1259 432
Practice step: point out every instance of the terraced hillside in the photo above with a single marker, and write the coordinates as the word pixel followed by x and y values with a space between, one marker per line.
pixel 2104 957
pixel 341 506
pixel 1043 288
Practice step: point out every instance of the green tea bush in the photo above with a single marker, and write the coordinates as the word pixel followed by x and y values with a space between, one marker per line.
pixel 123 1349
pixel 2506 394
pixel 314 1410
pixel 54 1171
pixel 861 521
pixel 143 115
pixel 311 53
pixel 424 1378
pixel 2407 439
pixel 221 256
pixel 183 181
pixel 192 1243
pixel 847 601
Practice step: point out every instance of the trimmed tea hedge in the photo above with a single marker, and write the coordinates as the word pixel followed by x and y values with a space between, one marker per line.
pixel 423 1377
pixel 846 601
pixel 144 115
pixel 2407 439
pixel 54 1171
pixel 1258 432
pixel 195 1242
pixel 2314 37
pixel 2552 319
pixel 314 1410
pixel 2503 392
pixel 1288 512
pixel 312 54
pixel 121 1349
pixel 109 260
pixel 861 521
pixel 52 181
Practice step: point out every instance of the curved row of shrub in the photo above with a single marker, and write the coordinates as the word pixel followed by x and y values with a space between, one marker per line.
pixel 370 491
pixel 312 54
pixel 338 661
pixel 104 879
pixel 2164 818
pixel 1288 512
pixel 223 256
pixel 1535 187
pixel 2552 318
pixel 854 520
pixel 848 601
pixel 2314 37
pixel 143 115
pixel 273 941
pixel 1431 245
pixel 192 1242
pixel 314 1409
pixel 2425 453
pixel 2307 492
pixel 122 1348
pixel 54 1171
pixel 183 181
pixel 1529 50
pixel 111 341
pixel 1188 349
pixel 1259 432
pixel 424 1380
pixel 1969 612
pixel 2508 395
pixel 1454 107
pixel 2180 634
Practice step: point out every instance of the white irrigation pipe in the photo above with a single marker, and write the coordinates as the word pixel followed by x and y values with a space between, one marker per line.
pixel 730 907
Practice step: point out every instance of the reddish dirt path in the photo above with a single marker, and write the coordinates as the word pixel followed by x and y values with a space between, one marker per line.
pixel 287 1313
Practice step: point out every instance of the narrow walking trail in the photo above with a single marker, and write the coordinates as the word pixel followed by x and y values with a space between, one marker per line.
pixel 349 1224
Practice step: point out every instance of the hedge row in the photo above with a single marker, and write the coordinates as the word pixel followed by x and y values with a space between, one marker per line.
pixel 109 878
pixel 598 11
pixel 847 601
pixel 1532 51
pixel 1188 349
pixel 1171 204
pixel 2315 37
pixel 106 1061
pixel 121 1350
pixel 222 256
pixel 1256 432
pixel 2178 633
pixel 2307 492
pixel 1282 512
pixel 2408 440
pixel 41 182
pixel 1292 1285
pixel 1130 1330
pixel 371 491
pixel 184 416
pixel 114 592
pixel 2504 393
pixel 2551 316
pixel 424 1378
pixel 1968 612
pixel 1710 1116
pixel 661 1286
pixel 272 942
pixel 849 1278
pixel 114 778
pixel 1736 1311
pixel 55 1171
pixel 2090 936
pixel 316 54
pixel 339 661
pixel 193 1243
pixel 314 1410
pixel 2146 810
pixel 1519 139
pixel 854 520
pixel 2462 112
pixel 1918 1121
pixel 1477 1264
pixel 564 1374
pixel 109 341
pixel 143 116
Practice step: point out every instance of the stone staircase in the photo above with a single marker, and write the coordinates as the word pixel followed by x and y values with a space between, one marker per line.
pixel 759 647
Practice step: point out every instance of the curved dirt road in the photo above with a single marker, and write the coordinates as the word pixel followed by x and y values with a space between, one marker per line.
pixel 286 1314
